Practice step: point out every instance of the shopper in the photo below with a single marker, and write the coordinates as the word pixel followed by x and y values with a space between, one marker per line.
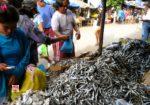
pixel 14 50
pixel 63 24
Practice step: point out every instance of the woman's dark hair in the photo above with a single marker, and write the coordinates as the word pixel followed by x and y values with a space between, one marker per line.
pixel 8 13
pixel 16 3
pixel 59 3
pixel 28 7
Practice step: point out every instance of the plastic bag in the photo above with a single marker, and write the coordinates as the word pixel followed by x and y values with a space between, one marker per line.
pixel 35 79
pixel 67 46
pixel 122 102
pixel 43 50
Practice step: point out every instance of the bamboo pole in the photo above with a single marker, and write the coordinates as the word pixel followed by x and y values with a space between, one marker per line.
pixel 102 25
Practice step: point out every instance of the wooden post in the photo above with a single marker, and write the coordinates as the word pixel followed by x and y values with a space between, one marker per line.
pixel 102 24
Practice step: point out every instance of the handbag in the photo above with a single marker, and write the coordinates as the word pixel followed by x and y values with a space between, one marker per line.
pixel 67 46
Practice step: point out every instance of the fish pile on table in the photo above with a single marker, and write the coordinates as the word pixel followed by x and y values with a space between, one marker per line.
pixel 100 80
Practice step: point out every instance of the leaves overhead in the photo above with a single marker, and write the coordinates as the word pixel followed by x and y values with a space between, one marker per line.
pixel 115 3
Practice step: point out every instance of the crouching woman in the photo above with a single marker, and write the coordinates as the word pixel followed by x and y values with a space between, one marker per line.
pixel 14 50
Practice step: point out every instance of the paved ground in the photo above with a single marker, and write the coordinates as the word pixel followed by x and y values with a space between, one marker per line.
pixel 112 33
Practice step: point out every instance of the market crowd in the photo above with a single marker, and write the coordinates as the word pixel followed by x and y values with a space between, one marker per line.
pixel 26 24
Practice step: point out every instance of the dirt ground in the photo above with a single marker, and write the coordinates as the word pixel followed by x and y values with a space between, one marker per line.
pixel 112 33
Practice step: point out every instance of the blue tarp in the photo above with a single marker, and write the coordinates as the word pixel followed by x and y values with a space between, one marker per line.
pixel 136 3
pixel 50 1
pixel 72 4
pixel 75 5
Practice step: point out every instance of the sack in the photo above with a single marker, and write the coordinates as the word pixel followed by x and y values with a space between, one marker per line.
pixel 67 46
pixel 35 79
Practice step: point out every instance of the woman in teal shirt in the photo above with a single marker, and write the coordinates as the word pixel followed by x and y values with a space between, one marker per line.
pixel 14 50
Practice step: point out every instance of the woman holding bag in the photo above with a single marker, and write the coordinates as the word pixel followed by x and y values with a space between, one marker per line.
pixel 63 23
pixel 14 50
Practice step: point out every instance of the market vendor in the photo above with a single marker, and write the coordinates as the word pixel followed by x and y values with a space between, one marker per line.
pixel 14 50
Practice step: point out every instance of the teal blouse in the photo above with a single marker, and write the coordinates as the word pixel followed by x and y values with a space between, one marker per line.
pixel 14 51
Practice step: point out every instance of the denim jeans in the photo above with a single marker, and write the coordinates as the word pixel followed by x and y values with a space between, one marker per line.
pixel 145 30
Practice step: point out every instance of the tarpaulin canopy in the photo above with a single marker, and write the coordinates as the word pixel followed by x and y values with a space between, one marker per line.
pixel 72 4
pixel 80 3
pixel 50 1
pixel 95 3
pixel 75 5
pixel 136 3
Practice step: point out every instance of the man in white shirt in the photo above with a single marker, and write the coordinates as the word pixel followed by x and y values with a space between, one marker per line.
pixel 146 23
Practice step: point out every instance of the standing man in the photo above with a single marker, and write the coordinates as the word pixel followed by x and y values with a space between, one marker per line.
pixel 63 23
pixel 146 23
pixel 46 12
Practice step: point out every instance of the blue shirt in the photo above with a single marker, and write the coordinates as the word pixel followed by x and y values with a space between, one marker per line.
pixel 121 14
pixel 46 12
pixel 14 51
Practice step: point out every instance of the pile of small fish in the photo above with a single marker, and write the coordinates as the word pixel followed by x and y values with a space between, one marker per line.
pixel 116 74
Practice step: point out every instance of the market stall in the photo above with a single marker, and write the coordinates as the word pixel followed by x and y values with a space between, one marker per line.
pixel 111 76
